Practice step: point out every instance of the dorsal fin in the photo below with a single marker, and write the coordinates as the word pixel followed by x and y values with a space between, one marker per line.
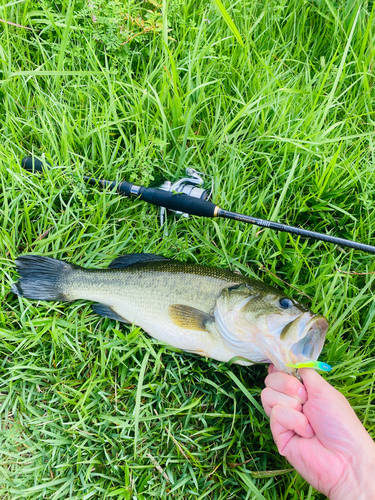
pixel 135 258
pixel 189 318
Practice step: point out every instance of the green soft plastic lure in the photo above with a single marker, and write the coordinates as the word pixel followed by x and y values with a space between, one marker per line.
pixel 318 365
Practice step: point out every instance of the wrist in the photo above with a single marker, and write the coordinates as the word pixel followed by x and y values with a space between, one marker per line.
pixel 359 484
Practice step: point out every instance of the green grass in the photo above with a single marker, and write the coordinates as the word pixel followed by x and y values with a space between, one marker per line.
pixel 90 409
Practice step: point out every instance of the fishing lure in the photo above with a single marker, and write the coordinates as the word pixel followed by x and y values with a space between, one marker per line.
pixel 318 365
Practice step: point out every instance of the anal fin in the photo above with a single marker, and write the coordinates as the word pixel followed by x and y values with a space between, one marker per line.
pixel 189 318
pixel 108 312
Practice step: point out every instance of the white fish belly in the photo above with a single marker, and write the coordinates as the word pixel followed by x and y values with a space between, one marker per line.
pixel 205 343
pixel 148 309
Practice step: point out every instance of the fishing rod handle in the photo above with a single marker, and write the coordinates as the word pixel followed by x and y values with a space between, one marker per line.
pixel 295 230
pixel 179 202
pixel 124 188
pixel 196 206
pixel 33 164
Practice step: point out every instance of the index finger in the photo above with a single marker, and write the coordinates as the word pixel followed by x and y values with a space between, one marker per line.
pixel 287 384
pixel 285 423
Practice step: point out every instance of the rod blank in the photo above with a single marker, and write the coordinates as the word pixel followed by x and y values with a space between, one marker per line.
pixel 296 230
pixel 181 202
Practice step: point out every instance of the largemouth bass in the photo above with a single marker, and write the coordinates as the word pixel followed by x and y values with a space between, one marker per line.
pixel 202 310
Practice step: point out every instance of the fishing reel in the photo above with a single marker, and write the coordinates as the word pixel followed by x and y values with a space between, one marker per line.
pixel 187 197
pixel 191 186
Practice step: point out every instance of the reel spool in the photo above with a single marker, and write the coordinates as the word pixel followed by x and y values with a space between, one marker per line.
pixel 187 185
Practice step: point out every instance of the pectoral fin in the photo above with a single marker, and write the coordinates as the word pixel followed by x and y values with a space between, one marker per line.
pixel 108 312
pixel 189 318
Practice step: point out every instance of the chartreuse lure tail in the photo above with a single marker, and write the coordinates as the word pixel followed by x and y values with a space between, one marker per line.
pixel 318 365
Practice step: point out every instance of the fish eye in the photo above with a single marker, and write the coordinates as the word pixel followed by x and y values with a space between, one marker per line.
pixel 286 303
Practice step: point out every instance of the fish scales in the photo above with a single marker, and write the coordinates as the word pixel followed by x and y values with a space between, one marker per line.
pixel 204 310
pixel 185 282
pixel 142 294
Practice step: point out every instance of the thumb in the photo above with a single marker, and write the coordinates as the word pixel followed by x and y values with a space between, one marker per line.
pixel 314 382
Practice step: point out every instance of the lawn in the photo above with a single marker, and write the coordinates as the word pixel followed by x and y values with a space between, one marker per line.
pixel 278 109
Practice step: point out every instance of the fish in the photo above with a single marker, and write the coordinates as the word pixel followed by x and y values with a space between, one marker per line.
pixel 203 310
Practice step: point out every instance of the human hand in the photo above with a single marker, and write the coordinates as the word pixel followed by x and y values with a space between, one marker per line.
pixel 315 428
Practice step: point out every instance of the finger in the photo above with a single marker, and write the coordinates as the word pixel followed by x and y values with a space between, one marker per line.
pixel 288 385
pixel 272 369
pixel 314 382
pixel 320 389
pixel 271 398
pixel 285 423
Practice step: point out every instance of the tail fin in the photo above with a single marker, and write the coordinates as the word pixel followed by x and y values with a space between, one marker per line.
pixel 42 278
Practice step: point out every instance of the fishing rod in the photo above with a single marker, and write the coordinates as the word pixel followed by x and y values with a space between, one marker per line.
pixel 181 197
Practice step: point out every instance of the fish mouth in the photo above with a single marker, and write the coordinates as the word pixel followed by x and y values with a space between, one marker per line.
pixel 311 336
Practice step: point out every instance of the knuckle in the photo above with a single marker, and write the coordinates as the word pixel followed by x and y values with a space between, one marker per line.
pixel 268 380
pixel 272 379
pixel 276 410
pixel 295 417
pixel 341 397
pixel 298 420
pixel 265 394
pixel 267 391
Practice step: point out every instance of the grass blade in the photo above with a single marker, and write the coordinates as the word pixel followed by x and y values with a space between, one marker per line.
pixel 251 398
pixel 138 400
pixel 229 21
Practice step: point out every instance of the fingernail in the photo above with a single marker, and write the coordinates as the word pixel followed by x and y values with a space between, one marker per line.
pixel 310 431
pixel 302 395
